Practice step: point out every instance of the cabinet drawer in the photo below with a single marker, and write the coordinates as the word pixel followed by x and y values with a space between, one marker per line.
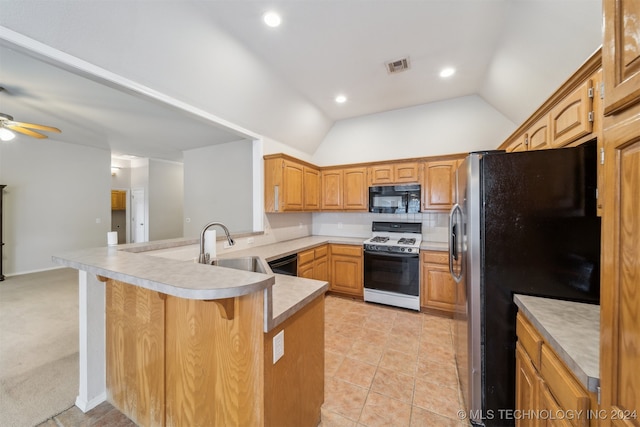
pixel 529 338
pixel 321 251
pixel 348 250
pixel 305 257
pixel 435 257
pixel 565 388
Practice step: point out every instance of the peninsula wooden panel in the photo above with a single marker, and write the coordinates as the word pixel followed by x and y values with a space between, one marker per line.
pixel 294 385
pixel 135 352
pixel 621 54
pixel 214 366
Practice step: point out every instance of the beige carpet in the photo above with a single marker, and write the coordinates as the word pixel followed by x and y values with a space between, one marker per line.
pixel 38 346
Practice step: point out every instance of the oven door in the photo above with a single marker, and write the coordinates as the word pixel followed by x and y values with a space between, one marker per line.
pixel 392 272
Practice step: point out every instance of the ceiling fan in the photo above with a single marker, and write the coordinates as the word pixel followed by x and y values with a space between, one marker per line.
pixel 7 124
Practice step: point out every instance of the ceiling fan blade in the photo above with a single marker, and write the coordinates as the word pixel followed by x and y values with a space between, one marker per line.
pixel 25 131
pixel 36 126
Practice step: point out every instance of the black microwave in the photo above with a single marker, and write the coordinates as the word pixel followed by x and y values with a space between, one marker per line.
pixel 394 199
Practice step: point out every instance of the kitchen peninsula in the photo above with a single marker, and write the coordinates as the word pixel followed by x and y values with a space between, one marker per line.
pixel 171 342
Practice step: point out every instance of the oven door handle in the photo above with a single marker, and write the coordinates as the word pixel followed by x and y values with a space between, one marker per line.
pixel 393 254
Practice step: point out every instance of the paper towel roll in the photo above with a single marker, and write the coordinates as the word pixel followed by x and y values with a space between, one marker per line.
pixel 112 238
pixel 210 243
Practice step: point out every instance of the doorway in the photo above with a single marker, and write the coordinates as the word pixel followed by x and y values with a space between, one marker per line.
pixel 138 215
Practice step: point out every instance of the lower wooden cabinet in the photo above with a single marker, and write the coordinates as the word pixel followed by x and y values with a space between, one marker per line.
pixel 314 263
pixel 346 270
pixel 438 289
pixel 545 387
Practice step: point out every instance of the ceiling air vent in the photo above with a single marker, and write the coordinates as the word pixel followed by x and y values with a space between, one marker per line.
pixel 398 65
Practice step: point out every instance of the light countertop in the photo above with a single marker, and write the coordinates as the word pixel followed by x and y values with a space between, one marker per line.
pixel 572 329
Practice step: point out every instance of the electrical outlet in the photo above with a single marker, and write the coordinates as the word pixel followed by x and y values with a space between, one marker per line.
pixel 187 220
pixel 250 241
pixel 98 220
pixel 278 346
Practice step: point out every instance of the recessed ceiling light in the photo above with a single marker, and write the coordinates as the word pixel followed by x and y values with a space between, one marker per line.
pixel 447 72
pixel 341 99
pixel 272 19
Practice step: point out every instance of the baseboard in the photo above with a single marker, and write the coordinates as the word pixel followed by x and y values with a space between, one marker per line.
pixel 86 406
pixel 35 271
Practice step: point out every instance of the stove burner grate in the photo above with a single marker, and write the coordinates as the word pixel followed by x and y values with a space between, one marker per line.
pixel 406 241
pixel 379 239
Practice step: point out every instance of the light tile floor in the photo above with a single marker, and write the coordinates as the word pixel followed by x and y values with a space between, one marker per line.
pixel 388 367
pixel 383 367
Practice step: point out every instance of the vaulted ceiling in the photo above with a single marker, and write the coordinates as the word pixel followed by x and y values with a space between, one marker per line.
pixel 217 57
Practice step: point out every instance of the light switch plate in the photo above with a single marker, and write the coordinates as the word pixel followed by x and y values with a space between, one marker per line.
pixel 278 346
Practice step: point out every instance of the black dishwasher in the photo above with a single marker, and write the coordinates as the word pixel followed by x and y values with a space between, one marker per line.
pixel 286 265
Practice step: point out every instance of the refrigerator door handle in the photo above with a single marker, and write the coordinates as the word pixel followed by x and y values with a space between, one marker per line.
pixel 453 242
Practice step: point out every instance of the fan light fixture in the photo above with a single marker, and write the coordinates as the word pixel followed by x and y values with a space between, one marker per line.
pixel 6 134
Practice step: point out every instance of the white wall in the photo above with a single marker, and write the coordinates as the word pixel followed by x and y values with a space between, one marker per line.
pixel 218 186
pixel 166 184
pixel 55 194
pixel 453 126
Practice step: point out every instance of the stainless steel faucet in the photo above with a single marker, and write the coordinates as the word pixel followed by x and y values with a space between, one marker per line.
pixel 204 257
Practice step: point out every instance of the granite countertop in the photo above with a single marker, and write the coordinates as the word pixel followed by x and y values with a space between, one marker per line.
pixel 572 329
pixel 169 267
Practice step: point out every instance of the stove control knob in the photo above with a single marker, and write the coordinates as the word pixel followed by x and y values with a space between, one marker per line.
pixel 402 249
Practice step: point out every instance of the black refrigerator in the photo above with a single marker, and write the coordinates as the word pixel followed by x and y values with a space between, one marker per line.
pixel 523 223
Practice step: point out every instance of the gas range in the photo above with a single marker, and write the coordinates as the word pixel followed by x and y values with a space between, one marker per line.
pixel 392 264
pixel 397 237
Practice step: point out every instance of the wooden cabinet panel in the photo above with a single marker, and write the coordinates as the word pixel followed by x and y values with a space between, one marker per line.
pixel 526 387
pixel 381 174
pixel 313 263
pixel 537 137
pixel 135 352
pixel 311 190
pixel 529 339
pixel 346 269
pixel 331 189
pixel 438 290
pixel 355 189
pixel 547 403
pixel 292 191
pixel 572 118
pixel 438 186
pixel 118 200
pixel 620 299
pixel 621 54
pixel 305 257
pixel 405 172
pixel 519 144
pixel 294 385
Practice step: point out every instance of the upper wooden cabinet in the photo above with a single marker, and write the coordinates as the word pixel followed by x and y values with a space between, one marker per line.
pixel 438 185
pixel 621 54
pixel 118 200
pixel 331 189
pixel 393 173
pixel 572 118
pixel 345 189
pixel 355 189
pixel 290 185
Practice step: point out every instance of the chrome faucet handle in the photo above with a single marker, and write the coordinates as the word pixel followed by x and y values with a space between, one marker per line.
pixel 204 258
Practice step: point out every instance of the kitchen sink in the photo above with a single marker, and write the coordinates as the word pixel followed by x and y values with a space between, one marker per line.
pixel 247 263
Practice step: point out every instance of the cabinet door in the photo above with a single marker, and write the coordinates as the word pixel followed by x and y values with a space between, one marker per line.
pixel 620 296
pixel 331 189
pixel 439 288
pixel 346 269
pixel 538 135
pixel 526 387
pixel 321 269
pixel 519 144
pixel 292 191
pixel 572 118
pixel 548 404
pixel 438 191
pixel 355 189
pixel 405 172
pixel 621 54
pixel 381 174
pixel 306 271
pixel 311 190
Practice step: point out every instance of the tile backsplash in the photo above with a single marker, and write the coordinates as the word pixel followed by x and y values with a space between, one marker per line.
pixel 434 225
